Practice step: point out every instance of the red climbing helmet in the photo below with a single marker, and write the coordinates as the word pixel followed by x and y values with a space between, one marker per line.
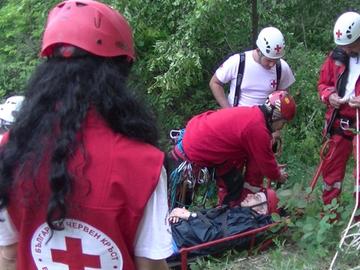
pixel 89 25
pixel 272 201
pixel 282 105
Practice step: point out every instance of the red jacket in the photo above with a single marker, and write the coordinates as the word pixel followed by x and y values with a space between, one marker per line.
pixel 330 74
pixel 235 135
pixel 113 179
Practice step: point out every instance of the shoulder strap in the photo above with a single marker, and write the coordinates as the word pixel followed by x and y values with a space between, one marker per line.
pixel 278 74
pixel 239 79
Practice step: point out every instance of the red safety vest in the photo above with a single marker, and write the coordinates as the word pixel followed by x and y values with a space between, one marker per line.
pixel 114 178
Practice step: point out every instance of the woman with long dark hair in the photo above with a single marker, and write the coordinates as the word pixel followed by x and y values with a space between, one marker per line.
pixel 82 183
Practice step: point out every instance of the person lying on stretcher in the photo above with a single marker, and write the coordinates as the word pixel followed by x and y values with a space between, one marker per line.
pixel 193 228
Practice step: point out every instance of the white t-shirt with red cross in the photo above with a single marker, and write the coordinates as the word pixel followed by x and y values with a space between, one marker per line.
pixel 257 82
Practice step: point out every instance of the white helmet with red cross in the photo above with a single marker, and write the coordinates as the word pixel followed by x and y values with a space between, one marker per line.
pixel 271 43
pixel 347 28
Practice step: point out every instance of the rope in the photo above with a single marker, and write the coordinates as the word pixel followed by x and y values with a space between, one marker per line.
pixel 182 173
pixel 175 180
pixel 352 240
pixel 345 235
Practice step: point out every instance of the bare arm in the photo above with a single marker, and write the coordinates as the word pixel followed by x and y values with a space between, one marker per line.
pixel 148 264
pixel 218 91
pixel 8 257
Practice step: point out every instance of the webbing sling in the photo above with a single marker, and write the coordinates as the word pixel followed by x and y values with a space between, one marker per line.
pixel 240 76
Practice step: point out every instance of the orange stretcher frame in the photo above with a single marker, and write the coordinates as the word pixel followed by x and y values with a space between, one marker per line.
pixel 186 250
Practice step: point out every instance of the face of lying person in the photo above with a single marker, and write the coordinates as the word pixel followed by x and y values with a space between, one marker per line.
pixel 257 202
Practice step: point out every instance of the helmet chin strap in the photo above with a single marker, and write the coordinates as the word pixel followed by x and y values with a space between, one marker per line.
pixel 268 112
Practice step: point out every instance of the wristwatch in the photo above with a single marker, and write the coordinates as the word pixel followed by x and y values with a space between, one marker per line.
pixel 193 215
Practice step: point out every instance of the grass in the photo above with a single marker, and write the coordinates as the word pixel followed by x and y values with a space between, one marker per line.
pixel 284 257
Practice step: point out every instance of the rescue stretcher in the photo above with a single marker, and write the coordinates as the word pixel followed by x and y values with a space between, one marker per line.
pixel 250 238
pixel 183 259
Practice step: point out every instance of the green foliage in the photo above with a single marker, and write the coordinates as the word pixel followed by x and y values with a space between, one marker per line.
pixel 306 21
pixel 179 43
pixel 314 227
pixel 21 24
pixel 303 136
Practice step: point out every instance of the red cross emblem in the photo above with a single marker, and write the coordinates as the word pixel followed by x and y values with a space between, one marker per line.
pixel 277 48
pixel 338 33
pixel 273 83
pixel 74 257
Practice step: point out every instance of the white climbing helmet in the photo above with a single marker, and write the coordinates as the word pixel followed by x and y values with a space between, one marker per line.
pixel 10 109
pixel 271 43
pixel 347 28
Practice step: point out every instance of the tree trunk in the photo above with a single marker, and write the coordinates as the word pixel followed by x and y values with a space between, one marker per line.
pixel 255 22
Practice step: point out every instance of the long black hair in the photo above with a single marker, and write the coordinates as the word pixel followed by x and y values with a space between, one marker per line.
pixel 57 99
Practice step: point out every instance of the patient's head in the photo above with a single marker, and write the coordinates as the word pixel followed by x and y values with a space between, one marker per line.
pixel 262 202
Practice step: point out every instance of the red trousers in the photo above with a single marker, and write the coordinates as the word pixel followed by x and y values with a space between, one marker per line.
pixel 335 166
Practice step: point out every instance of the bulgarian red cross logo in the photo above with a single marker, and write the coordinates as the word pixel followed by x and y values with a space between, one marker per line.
pixel 74 257
pixel 338 33
pixel 273 83
pixel 277 48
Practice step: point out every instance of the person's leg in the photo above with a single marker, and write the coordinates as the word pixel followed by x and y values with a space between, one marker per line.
pixel 229 180
pixel 334 168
